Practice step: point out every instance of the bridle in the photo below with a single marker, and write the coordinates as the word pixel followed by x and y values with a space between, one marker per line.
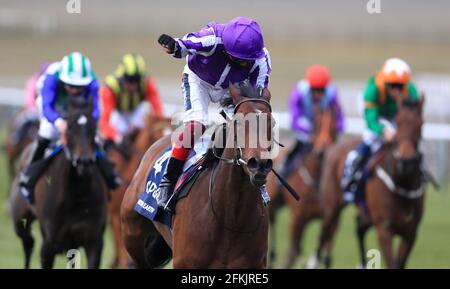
pixel 238 159
pixel 68 153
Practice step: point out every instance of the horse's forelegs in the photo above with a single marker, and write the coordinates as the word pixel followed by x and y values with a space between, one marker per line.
pixel 121 258
pixel 94 253
pixel 361 229
pixel 329 226
pixel 385 240
pixel 23 230
pixel 47 255
pixel 273 242
pixel 404 251
pixel 328 243
pixel 297 227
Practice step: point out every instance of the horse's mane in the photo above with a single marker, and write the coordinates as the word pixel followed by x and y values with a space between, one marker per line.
pixel 410 103
pixel 210 157
pixel 248 90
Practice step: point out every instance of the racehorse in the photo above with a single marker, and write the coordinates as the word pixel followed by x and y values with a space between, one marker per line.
pixel 70 195
pixel 394 191
pixel 126 158
pixel 22 130
pixel 305 178
pixel 222 222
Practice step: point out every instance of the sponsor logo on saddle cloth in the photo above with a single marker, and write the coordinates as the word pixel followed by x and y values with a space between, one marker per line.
pixel 147 204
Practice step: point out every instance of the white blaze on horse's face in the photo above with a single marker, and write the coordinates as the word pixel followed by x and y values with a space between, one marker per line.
pixel 82 120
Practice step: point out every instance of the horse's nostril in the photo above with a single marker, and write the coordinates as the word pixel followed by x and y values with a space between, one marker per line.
pixel 252 163
pixel 268 165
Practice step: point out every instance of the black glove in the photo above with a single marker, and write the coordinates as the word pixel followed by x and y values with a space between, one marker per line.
pixel 168 42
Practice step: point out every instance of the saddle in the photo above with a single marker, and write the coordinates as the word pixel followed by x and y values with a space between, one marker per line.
pixel 147 204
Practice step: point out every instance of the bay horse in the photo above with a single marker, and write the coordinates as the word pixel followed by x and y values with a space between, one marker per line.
pixel 394 190
pixel 70 196
pixel 126 158
pixel 305 178
pixel 222 222
pixel 22 130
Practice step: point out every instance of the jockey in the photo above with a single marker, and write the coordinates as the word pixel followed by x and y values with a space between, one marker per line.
pixel 217 55
pixel 314 89
pixel 72 77
pixel 126 98
pixel 389 85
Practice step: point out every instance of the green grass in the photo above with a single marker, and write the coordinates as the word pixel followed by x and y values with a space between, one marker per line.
pixel 430 251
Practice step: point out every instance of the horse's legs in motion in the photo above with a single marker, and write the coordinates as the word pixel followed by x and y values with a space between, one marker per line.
pixel 298 225
pixel 94 253
pixel 327 245
pixel 47 255
pixel 406 245
pixel 275 205
pixel 273 243
pixel 362 225
pixel 121 258
pixel 385 240
pixel 329 226
pixel 23 230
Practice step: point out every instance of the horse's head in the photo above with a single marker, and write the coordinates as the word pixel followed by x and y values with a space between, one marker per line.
pixel 324 132
pixel 250 132
pixel 81 130
pixel 409 132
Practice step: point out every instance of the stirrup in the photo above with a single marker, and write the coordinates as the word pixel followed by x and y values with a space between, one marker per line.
pixel 23 178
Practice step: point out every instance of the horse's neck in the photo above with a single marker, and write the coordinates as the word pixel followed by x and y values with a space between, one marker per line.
pixel 232 188
pixel 388 162
pixel 312 163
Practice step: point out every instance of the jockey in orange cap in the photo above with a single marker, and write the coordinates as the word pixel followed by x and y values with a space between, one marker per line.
pixel 314 89
pixel 380 109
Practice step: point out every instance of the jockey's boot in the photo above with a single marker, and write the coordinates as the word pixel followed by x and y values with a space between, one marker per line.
pixel 353 171
pixel 31 173
pixel 291 158
pixel 107 169
pixel 166 187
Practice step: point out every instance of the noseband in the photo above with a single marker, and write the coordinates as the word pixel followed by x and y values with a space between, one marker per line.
pixel 238 160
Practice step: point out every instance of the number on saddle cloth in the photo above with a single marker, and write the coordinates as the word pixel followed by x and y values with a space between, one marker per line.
pixel 147 204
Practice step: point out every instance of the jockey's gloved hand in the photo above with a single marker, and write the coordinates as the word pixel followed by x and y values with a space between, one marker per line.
pixel 108 145
pixel 118 139
pixel 168 42
pixel 61 125
pixel 388 134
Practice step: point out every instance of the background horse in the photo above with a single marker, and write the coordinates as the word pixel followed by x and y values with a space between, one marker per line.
pixel 70 196
pixel 305 178
pixel 397 210
pixel 22 130
pixel 222 223
pixel 126 159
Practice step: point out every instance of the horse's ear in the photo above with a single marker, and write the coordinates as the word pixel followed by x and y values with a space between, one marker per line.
pixel 266 94
pixel 235 93
pixel 422 101
pixel 70 106
pixel 90 107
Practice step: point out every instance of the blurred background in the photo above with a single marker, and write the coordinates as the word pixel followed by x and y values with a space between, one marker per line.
pixel 340 34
